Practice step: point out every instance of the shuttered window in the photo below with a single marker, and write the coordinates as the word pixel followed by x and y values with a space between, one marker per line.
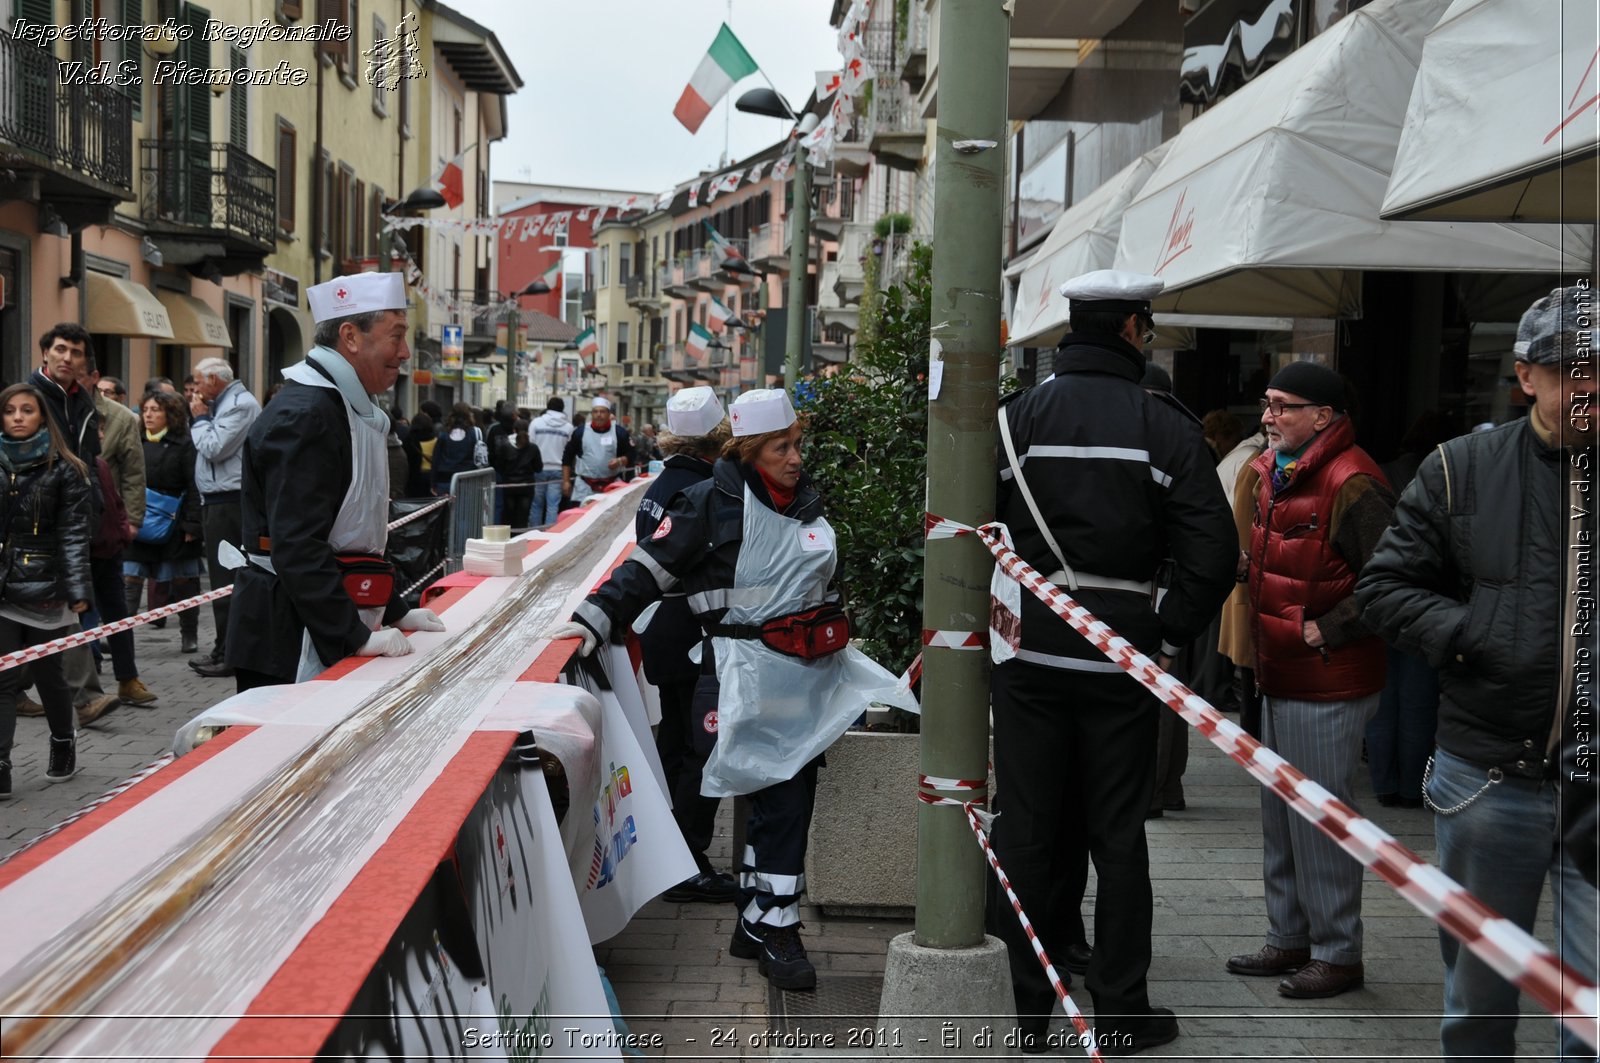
pixel 288 142
pixel 238 104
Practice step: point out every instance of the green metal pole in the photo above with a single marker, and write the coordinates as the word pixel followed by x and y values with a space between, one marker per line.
pixel 969 200
pixel 799 261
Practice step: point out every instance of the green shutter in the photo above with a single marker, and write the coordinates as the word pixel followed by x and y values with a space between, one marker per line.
pixel 238 105
pixel 131 13
pixel 42 12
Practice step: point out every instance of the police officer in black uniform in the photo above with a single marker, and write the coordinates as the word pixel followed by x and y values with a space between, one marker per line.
pixel 697 432
pixel 1114 480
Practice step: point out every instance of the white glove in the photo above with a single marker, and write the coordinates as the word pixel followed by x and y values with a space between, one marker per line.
pixel 420 620
pixel 573 630
pixel 386 642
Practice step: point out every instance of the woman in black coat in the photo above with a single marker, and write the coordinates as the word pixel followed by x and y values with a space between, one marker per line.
pixel 44 567
pixel 169 458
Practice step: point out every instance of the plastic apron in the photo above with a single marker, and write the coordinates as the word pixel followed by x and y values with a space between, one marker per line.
pixel 594 461
pixel 362 526
pixel 776 713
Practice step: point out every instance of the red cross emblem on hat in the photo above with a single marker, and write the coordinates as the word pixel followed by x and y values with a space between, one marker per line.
pixel 341 293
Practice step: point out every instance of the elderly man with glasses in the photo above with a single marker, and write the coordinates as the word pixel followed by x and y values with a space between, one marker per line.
pixel 1321 507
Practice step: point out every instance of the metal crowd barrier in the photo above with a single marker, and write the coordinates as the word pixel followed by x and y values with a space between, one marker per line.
pixel 474 507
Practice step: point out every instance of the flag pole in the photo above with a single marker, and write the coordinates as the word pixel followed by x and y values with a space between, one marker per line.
pixel 727 110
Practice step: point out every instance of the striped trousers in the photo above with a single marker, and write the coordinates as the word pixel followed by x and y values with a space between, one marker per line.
pixel 1313 887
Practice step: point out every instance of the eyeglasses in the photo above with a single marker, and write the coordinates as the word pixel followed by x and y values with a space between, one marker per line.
pixel 1147 330
pixel 1277 408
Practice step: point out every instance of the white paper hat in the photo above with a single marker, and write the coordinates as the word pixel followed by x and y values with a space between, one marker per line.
pixel 693 412
pixel 359 293
pixel 764 410
pixel 600 402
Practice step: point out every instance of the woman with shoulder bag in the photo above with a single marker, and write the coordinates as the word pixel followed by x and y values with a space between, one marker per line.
pixel 779 681
pixel 44 567
pixel 458 448
pixel 167 550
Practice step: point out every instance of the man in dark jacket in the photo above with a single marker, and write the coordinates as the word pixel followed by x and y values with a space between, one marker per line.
pixel 316 486
pixel 695 419
pixel 1108 480
pixel 1487 572
pixel 1321 505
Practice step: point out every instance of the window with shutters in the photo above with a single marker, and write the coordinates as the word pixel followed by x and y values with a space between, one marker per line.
pixel 624 262
pixel 622 341
pixel 42 12
pixel 380 94
pixel 322 181
pixel 287 143
pixel 289 10
pixel 358 218
pixel 344 180
pixel 375 224
pixel 238 104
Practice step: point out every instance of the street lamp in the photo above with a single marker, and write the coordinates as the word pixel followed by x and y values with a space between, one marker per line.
pixel 420 199
pixel 767 102
pixel 514 353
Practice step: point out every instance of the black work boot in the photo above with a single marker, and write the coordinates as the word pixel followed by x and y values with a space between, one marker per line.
pixel 746 943
pixel 63 759
pixel 783 959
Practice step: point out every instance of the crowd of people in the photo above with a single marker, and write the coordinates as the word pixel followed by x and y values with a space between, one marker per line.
pixel 1419 614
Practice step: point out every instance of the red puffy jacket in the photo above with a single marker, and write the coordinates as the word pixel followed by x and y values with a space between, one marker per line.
pixel 1297 574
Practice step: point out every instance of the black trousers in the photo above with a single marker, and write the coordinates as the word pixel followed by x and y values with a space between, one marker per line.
pixel 696 815
pixel 220 522
pixel 1073 768
pixel 772 868
pixel 54 693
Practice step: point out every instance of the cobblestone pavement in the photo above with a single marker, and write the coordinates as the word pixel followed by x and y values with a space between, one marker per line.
pixel 674 978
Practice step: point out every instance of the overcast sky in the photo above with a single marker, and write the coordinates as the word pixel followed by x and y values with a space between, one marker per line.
pixel 600 79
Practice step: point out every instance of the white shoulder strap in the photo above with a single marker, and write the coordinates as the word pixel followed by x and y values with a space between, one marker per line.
pixel 1033 507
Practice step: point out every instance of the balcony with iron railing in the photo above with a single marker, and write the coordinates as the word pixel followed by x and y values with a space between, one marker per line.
pixel 75 141
pixel 203 195
pixel 898 130
pixel 680 272
pixel 769 248
pixel 643 292
pixel 913 50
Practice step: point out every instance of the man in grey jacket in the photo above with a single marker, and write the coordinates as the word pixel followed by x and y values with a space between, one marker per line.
pixel 223 410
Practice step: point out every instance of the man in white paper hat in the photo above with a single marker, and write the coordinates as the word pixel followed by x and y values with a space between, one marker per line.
pixel 596 454
pixel 697 428
pixel 315 498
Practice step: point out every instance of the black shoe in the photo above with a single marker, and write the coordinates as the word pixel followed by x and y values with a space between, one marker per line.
pixel 190 644
pixel 159 622
pixel 783 959
pixel 1075 958
pixel 205 658
pixel 5 779
pixel 219 670
pixel 1131 1035
pixel 708 887
pixel 1154 813
pixel 63 759
pixel 1032 1037
pixel 1176 806
pixel 746 944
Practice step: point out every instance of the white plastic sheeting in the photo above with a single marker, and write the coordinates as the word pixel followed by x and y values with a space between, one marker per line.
pixel 1269 203
pixel 1083 239
pixel 1504 121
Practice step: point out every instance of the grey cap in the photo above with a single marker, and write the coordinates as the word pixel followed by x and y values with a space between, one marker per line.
pixel 1558 328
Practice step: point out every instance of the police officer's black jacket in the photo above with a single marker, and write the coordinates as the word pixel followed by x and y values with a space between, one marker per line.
pixel 695 549
pixel 1470 576
pixel 665 644
pixel 1125 481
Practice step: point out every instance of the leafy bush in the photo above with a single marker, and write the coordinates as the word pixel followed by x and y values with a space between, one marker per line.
pixel 897 222
pixel 867 450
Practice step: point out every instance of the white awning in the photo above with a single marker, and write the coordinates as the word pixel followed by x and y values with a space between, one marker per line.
pixel 194 324
pixel 1268 203
pixel 118 307
pixel 1083 239
pixel 1503 123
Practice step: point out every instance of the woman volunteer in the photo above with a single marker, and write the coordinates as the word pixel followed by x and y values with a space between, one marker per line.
pixel 753 553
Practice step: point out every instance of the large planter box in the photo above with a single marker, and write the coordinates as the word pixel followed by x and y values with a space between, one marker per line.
pixel 862 857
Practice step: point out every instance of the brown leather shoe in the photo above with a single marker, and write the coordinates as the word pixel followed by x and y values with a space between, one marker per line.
pixel 1319 978
pixel 93 709
pixel 28 707
pixel 1270 960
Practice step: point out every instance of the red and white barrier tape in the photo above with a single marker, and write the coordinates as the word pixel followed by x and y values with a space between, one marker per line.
pixel 18 658
pixel 956 640
pixel 1511 951
pixel 925 783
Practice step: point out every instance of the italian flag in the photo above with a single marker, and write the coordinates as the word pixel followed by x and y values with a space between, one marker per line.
pixel 552 276
pixel 698 343
pixel 588 346
pixel 724 246
pixel 726 63
pixel 447 181
pixel 718 315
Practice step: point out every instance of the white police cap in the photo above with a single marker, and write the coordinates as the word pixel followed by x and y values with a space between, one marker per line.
pixel 1114 290
pixel 693 412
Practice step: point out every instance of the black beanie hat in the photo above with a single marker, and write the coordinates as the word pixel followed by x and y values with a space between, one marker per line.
pixel 1312 382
